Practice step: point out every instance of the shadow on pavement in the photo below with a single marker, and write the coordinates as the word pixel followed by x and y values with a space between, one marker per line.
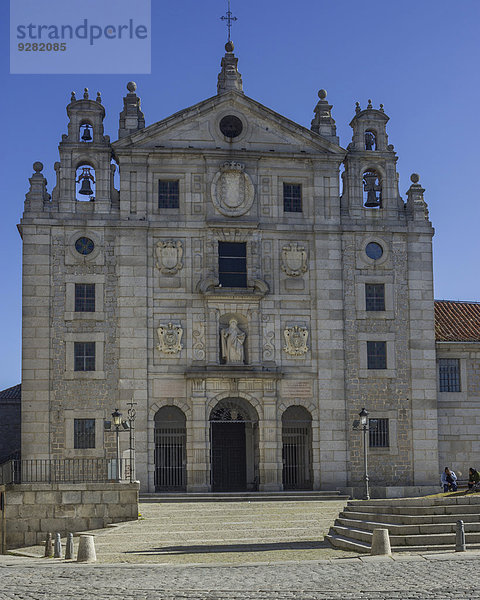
pixel 218 548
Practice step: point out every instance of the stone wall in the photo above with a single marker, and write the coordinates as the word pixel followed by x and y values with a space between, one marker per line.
pixel 34 509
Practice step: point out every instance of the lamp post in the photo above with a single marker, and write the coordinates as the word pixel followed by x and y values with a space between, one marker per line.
pixel 117 421
pixel 131 421
pixel 363 424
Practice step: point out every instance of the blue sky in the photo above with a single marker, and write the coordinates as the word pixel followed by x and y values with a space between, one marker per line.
pixel 420 59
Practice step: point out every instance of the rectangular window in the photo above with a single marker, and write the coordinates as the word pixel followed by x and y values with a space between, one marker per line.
pixel 232 264
pixel 84 297
pixel 84 356
pixel 292 197
pixel 378 433
pixel 168 194
pixel 84 433
pixel 374 296
pixel 376 355
pixel 449 374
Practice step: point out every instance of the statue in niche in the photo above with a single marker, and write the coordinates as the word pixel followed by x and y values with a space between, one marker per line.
pixel 232 340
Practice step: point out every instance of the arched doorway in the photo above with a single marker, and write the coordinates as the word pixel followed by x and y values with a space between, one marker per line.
pixel 170 449
pixel 297 448
pixel 233 446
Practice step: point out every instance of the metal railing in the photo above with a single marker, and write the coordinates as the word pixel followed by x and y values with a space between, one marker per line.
pixel 64 470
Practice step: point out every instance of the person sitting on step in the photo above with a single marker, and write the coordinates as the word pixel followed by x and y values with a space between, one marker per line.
pixel 449 481
pixel 473 480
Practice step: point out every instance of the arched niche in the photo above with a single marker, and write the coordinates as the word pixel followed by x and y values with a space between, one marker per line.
pixel 85 181
pixel 372 188
pixel 297 448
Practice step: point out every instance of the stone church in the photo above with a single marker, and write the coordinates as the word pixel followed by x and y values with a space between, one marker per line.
pixel 250 286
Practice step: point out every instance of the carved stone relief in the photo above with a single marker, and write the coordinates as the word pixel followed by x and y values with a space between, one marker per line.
pixel 295 340
pixel 232 339
pixel 170 337
pixel 169 255
pixel 232 190
pixel 294 259
pixel 198 337
pixel 268 339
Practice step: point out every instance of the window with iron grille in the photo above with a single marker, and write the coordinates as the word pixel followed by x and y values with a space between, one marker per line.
pixel 232 264
pixel 84 433
pixel 84 356
pixel 374 296
pixel 292 197
pixel 376 355
pixel 84 297
pixel 449 374
pixel 378 433
pixel 168 193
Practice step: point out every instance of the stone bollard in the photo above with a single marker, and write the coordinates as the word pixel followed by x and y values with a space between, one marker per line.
pixel 48 546
pixel 57 552
pixel 460 545
pixel 380 542
pixel 69 547
pixel 86 549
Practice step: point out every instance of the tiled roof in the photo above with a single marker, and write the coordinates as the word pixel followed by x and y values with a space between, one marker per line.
pixel 12 393
pixel 457 321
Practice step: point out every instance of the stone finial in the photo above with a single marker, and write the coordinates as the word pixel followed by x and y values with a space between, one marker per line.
pixel 323 123
pixel 99 97
pixel 357 107
pixel 131 118
pixel 381 108
pixel 37 194
pixel 229 78
pixel 38 167
pixel 73 97
pixel 414 177
pixel 369 105
pixel 85 94
pixel 416 205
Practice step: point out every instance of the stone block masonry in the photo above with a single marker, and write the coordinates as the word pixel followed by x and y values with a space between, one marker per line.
pixel 32 510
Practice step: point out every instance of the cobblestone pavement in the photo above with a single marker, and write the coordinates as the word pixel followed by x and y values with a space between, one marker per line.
pixel 440 577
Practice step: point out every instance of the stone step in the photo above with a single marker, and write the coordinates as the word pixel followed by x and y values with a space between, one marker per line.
pixel 345 543
pixel 427 501
pixel 407 529
pixel 290 496
pixel 434 539
pixel 408 519
pixel 449 509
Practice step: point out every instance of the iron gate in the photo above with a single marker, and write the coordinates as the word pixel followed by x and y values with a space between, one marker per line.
pixel 170 450
pixel 296 449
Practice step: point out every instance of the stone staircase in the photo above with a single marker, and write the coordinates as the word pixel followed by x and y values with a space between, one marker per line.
pixel 414 524
pixel 291 495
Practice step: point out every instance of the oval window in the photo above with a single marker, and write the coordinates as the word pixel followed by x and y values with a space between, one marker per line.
pixel 374 251
pixel 84 245
pixel 231 126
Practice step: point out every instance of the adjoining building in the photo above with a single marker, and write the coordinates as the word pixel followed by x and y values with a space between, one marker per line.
pixel 251 286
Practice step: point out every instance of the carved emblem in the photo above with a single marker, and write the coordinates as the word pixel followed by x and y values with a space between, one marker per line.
pixel 294 259
pixel 296 340
pixel 232 190
pixel 169 256
pixel 170 337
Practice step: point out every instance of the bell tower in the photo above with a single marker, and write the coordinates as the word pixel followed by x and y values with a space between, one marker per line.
pixel 370 180
pixel 85 172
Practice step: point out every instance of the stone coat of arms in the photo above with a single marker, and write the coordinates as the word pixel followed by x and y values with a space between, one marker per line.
pixel 169 255
pixel 294 259
pixel 170 337
pixel 296 340
pixel 232 190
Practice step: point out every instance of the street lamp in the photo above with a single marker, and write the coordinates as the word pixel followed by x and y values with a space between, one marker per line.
pixel 131 422
pixel 117 421
pixel 363 424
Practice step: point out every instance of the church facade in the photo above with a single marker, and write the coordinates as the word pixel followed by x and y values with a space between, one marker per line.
pixel 246 302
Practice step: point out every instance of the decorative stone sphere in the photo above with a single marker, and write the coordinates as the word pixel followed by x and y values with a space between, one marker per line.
pixel 37 166
pixel 131 86
pixel 229 47
pixel 414 177
pixel 322 94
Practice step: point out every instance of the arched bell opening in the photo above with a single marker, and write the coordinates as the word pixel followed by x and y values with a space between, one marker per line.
pixel 85 182
pixel 370 139
pixel 234 452
pixel 372 189
pixel 86 132
pixel 297 449
pixel 170 449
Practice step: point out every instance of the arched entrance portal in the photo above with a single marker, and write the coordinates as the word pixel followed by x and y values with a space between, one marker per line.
pixel 170 454
pixel 234 446
pixel 297 448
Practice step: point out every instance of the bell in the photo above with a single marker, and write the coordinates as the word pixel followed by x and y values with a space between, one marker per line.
pixel 86 137
pixel 372 200
pixel 86 189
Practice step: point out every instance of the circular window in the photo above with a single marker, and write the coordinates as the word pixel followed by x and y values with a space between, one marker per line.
pixel 374 251
pixel 231 126
pixel 84 245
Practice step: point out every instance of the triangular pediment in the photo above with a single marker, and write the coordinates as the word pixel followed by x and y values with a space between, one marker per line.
pixel 198 127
